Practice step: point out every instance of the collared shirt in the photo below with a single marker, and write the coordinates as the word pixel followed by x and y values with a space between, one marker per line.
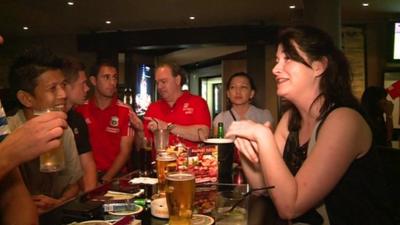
pixel 106 128
pixel 188 110
pixel 4 130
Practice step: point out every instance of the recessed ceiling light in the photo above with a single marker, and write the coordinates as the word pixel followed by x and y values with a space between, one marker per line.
pixel 108 21
pixel 292 7
pixel 71 3
pixel 365 4
pixel 25 28
pixel 192 18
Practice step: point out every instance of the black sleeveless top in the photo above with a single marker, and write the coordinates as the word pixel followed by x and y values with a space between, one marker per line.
pixel 360 197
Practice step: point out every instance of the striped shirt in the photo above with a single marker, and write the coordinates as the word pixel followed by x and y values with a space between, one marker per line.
pixel 4 130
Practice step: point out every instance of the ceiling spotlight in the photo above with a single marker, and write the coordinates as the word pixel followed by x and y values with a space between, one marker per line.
pixel 71 3
pixel 25 28
pixel 192 17
pixel 292 7
pixel 365 4
pixel 108 21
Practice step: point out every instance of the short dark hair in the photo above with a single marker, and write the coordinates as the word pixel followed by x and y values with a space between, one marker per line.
pixel 176 71
pixel 71 68
pixel 228 84
pixel 94 70
pixel 29 66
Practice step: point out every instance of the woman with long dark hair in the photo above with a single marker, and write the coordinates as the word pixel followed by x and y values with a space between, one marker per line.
pixel 320 158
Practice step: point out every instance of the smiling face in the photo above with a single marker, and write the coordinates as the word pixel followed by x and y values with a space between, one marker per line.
pixel 294 78
pixel 49 91
pixel 239 91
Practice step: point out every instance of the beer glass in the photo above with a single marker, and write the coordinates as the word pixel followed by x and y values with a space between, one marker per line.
pixel 180 188
pixel 161 139
pixel 53 160
pixel 166 163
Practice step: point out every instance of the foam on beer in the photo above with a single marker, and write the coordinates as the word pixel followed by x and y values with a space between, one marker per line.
pixel 180 177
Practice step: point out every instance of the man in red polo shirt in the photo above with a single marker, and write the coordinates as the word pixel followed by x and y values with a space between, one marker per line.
pixel 111 135
pixel 186 114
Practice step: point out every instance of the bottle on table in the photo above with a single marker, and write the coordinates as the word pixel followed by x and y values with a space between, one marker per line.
pixel 146 149
pixel 220 133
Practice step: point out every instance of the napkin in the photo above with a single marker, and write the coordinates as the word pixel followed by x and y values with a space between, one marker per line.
pixel 143 180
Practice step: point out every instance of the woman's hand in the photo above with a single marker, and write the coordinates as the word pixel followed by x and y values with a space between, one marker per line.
pixel 247 135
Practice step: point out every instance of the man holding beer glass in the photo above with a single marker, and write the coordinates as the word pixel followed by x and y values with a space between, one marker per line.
pixel 38 83
pixel 185 115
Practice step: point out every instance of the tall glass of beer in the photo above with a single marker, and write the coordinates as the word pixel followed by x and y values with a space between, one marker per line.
pixel 180 187
pixel 166 163
pixel 53 160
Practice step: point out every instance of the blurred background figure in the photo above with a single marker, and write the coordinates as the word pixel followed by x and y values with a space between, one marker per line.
pixel 379 111
pixel 240 92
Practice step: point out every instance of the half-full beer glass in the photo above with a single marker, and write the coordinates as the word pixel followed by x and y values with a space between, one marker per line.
pixel 180 196
pixel 53 160
pixel 166 163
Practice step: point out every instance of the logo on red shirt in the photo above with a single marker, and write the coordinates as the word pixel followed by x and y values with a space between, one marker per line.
pixel 187 109
pixel 114 121
pixel 113 126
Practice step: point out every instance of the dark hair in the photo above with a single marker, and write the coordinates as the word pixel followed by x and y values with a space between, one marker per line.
pixel 29 66
pixel 71 68
pixel 335 84
pixel 228 84
pixel 370 100
pixel 94 70
pixel 176 71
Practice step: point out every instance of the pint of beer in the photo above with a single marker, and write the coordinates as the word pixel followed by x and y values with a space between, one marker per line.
pixel 180 187
pixel 53 160
pixel 166 163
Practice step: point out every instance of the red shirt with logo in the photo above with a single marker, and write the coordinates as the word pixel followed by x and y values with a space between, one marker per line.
pixel 188 110
pixel 106 128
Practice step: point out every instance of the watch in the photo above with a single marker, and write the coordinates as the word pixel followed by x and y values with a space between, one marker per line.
pixel 170 126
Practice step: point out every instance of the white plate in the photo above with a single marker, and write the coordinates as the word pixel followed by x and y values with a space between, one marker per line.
pixel 218 141
pixel 95 222
pixel 199 219
pixel 137 210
